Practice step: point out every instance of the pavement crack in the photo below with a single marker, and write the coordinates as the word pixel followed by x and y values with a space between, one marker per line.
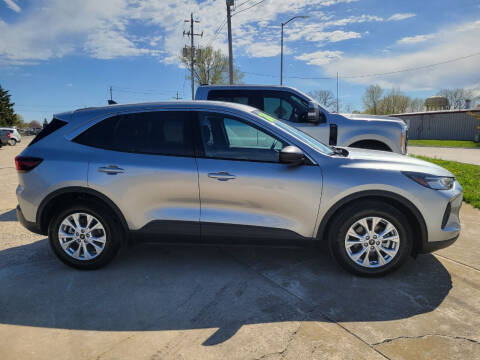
pixel 458 262
pixel 282 352
pixel 307 314
pixel 98 357
pixel 388 340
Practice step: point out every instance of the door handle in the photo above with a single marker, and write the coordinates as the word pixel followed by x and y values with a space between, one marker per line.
pixel 111 169
pixel 221 176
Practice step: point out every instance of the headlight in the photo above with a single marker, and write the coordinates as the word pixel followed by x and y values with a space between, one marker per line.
pixel 431 181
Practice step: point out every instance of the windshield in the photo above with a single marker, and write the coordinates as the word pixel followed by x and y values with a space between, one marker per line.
pixel 300 135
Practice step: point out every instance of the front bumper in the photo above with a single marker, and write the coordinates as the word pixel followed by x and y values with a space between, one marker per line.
pixel 437 245
pixel 31 226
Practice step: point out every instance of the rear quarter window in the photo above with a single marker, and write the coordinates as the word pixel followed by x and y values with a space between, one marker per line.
pixel 53 126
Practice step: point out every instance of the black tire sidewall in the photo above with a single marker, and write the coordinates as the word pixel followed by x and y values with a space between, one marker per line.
pixel 13 142
pixel 348 217
pixel 113 237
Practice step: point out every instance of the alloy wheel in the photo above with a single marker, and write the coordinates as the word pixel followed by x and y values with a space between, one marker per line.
pixel 372 242
pixel 82 236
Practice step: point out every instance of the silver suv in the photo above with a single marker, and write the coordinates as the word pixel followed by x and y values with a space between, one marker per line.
pixel 221 172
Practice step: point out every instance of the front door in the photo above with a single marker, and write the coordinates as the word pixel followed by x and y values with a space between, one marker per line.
pixel 245 192
pixel 293 110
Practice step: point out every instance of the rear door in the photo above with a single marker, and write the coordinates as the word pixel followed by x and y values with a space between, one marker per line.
pixel 144 162
pixel 245 192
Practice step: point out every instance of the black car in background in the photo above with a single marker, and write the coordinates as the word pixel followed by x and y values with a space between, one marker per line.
pixel 3 137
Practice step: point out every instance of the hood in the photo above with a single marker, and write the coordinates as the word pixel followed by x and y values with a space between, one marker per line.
pixel 392 161
pixel 367 117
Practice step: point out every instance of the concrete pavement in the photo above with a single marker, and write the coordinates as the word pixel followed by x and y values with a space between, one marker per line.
pixel 184 302
pixel 469 156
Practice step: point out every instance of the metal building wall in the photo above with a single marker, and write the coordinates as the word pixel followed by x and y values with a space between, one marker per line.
pixel 448 125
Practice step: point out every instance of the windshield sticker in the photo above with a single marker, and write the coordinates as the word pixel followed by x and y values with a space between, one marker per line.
pixel 266 117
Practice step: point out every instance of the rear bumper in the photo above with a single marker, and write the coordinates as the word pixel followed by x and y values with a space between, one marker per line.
pixel 31 226
pixel 437 245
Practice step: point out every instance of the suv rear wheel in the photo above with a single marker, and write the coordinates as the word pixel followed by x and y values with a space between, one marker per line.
pixel 85 235
pixel 370 238
pixel 12 142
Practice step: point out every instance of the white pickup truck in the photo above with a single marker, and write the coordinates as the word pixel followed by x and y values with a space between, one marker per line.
pixel 303 112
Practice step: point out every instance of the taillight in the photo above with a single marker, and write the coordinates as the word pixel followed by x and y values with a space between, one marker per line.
pixel 27 163
pixel 8 135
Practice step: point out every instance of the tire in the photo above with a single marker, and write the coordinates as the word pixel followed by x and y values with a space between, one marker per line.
pixel 93 258
pixel 12 142
pixel 379 262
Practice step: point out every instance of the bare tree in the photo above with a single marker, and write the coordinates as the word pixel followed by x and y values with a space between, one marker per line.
pixel 393 103
pixel 416 105
pixel 325 98
pixel 211 67
pixel 456 97
pixel 371 99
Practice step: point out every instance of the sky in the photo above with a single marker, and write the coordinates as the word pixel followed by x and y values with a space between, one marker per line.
pixel 58 55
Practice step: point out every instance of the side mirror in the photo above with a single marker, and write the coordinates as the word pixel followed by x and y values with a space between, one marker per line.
pixel 292 155
pixel 314 114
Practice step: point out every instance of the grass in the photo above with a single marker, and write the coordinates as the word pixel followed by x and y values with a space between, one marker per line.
pixel 444 143
pixel 467 175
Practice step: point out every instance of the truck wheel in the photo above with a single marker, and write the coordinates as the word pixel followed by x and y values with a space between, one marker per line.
pixel 370 238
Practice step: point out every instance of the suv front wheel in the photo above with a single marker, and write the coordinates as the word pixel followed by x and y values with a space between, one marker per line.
pixel 84 236
pixel 370 238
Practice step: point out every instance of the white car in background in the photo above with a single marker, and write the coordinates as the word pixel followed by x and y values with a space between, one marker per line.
pixel 14 137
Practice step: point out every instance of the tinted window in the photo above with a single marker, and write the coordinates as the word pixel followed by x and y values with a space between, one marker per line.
pixel 227 138
pixel 285 106
pixel 52 126
pixel 229 96
pixel 162 133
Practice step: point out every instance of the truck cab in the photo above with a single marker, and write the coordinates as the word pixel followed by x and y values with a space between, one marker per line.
pixel 301 111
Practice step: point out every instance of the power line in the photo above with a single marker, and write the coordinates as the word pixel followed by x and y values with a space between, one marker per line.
pixel 248 8
pixel 241 4
pixel 369 75
pixel 414 68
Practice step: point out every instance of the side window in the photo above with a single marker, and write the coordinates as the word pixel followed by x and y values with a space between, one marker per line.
pixel 229 96
pixel 225 137
pixel 285 106
pixel 161 133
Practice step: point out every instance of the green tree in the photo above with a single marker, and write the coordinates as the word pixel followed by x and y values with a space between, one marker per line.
pixel 371 99
pixel 211 67
pixel 7 115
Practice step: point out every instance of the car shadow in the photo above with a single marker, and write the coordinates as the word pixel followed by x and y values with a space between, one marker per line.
pixel 10 215
pixel 160 287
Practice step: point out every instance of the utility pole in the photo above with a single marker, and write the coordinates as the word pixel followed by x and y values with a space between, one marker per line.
pixel 192 50
pixel 177 97
pixel 337 92
pixel 111 96
pixel 281 44
pixel 230 51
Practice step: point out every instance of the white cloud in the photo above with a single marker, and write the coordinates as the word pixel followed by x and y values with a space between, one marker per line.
pixel 264 49
pixel 415 39
pixel 320 57
pixel 401 16
pixel 12 5
pixel 114 28
pixel 446 47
